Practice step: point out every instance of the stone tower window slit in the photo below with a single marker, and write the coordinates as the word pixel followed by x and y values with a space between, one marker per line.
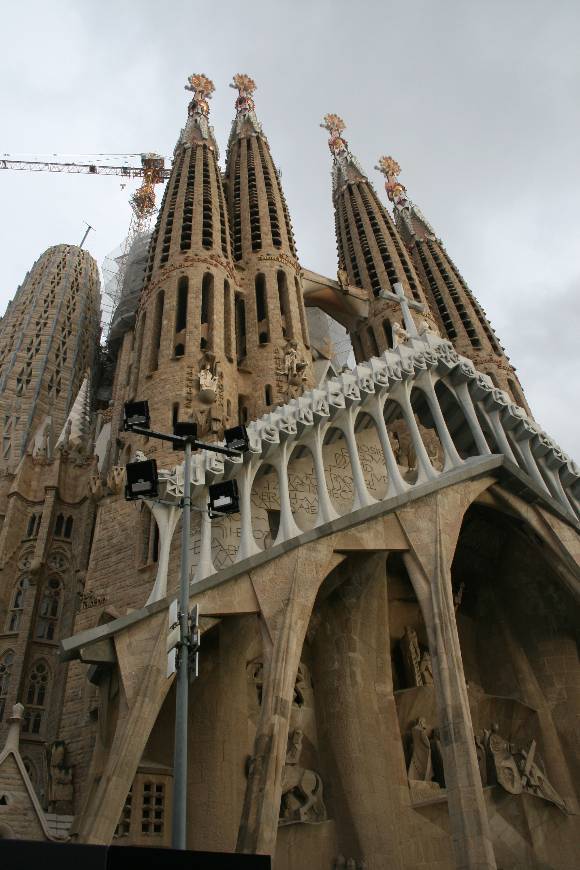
pixel 240 327
pixel 181 315
pixel 388 330
pixel 156 332
pixel 302 312
pixel 284 301
pixel 206 314
pixel 262 309
pixel 228 322
pixel 272 210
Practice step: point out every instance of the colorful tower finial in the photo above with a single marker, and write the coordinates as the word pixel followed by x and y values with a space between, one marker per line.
pixel 245 106
pixel 335 126
pixel 396 191
pixel 202 88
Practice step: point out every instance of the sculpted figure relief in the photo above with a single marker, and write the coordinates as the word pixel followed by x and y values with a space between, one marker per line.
pixel 208 378
pixel 417 662
pixel 515 769
pixel 302 799
pixel 422 780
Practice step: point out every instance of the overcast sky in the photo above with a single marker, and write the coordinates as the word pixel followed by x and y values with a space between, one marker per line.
pixel 478 101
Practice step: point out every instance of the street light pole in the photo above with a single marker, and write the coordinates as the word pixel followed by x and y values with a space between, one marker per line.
pixel 179 827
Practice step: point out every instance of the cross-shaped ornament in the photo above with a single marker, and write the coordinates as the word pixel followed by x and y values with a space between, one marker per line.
pixel 406 304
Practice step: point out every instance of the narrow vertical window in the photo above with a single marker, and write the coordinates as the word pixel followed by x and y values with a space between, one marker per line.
pixel 388 330
pixel 157 329
pixel 268 392
pixel 228 321
pixel 68 527
pixel 240 327
pixel 181 315
pixel 284 300
pixel 206 316
pixel 17 607
pixel 58 526
pixel 36 697
pixel 262 309
pixel 6 661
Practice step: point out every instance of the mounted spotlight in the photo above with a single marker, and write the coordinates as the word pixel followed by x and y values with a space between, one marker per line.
pixel 223 499
pixel 136 414
pixel 184 430
pixel 237 438
pixel 142 480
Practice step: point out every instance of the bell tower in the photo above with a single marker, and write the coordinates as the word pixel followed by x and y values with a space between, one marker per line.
pixel 184 346
pixel 460 316
pixel 272 349
pixel 371 254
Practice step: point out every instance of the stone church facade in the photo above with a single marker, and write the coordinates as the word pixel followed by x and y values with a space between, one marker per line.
pixel 388 668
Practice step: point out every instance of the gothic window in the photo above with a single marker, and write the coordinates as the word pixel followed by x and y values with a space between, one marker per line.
pixel 153 808
pixel 207 220
pixel 15 612
pixel 68 527
pixel 268 394
pixel 388 330
pixel 36 696
pixel 5 667
pixel 59 525
pixel 49 609
pixel 33 525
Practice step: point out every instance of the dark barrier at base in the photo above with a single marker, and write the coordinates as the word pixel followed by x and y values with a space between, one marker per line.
pixel 27 854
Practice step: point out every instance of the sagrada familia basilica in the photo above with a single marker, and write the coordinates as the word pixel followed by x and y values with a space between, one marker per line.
pixel 388 671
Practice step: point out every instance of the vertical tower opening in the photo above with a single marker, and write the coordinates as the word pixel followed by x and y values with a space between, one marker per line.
pixel 255 229
pixel 388 330
pixel 240 328
pixel 181 315
pixel 156 333
pixel 206 314
pixel 268 394
pixel 284 300
pixel 262 309
pixel 228 321
pixel 302 312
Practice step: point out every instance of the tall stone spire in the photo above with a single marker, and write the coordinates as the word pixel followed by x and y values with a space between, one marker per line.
pixel 183 359
pixel 48 339
pixel 459 314
pixel 371 254
pixel 270 317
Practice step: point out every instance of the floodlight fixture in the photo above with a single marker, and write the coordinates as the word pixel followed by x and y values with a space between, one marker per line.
pixel 184 429
pixel 237 438
pixel 142 481
pixel 136 414
pixel 223 499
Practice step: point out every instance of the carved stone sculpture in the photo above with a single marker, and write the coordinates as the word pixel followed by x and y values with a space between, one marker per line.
pixel 515 769
pixel 293 365
pixel 208 379
pixel 420 770
pixel 400 335
pixel 420 767
pixel 417 662
pixel 302 798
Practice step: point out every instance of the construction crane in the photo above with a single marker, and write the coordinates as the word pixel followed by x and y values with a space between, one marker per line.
pixel 142 201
